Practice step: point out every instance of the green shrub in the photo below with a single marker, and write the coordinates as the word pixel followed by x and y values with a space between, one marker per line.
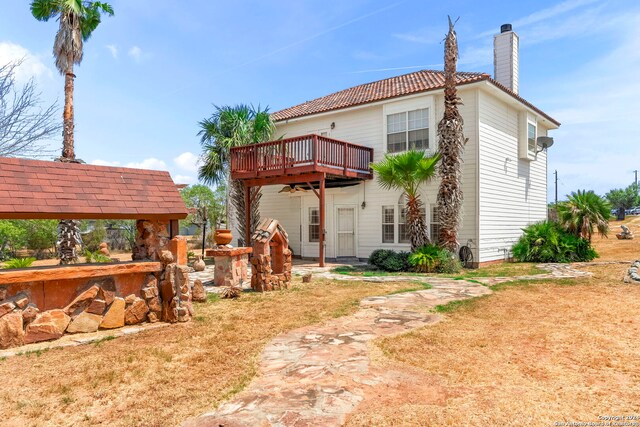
pixel 95 257
pixel 19 263
pixel 378 257
pixel 547 241
pixel 395 262
pixel 425 259
pixel 449 263
pixel 432 258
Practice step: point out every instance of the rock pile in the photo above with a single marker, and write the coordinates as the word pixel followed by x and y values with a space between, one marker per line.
pixel 97 307
pixel 632 274
pixel 625 234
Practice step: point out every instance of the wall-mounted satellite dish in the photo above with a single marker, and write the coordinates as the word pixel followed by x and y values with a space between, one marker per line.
pixel 544 142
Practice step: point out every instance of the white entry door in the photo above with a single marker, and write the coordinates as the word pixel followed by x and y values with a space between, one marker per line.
pixel 346 232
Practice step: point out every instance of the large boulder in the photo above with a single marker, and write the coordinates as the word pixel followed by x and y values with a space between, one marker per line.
pixel 84 322
pixel 114 317
pixel 30 313
pixel 11 332
pixel 82 301
pixel 136 312
pixel 97 306
pixel 48 325
pixel 6 307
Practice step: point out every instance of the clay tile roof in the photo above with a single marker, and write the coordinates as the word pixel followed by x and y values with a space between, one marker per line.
pixel 36 189
pixel 407 84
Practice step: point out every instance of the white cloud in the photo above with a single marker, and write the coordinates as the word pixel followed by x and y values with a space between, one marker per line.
pixel 99 162
pixel 31 67
pixel 429 35
pixel 136 53
pixel 113 49
pixel 150 163
pixel 187 161
pixel 184 179
pixel 597 105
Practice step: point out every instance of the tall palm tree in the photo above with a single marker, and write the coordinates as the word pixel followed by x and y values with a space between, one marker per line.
pixel 451 146
pixel 407 171
pixel 78 19
pixel 228 127
pixel 583 213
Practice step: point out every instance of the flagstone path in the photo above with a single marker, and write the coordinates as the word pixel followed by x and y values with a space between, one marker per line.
pixel 316 375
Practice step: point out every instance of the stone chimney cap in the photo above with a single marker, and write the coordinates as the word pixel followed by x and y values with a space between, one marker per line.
pixel 505 28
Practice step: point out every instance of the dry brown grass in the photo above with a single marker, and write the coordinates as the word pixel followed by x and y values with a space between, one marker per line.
pixel 612 249
pixel 162 377
pixel 533 353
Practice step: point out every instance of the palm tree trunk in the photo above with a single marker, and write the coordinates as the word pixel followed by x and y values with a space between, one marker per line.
pixel 417 227
pixel 68 238
pixel 237 199
pixel 451 145
pixel 68 229
pixel 68 151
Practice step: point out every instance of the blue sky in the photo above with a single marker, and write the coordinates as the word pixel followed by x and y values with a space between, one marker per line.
pixel 152 71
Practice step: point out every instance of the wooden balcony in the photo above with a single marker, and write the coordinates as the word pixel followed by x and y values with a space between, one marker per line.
pixel 307 154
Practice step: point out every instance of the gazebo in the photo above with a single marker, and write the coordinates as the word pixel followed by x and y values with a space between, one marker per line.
pixel 84 297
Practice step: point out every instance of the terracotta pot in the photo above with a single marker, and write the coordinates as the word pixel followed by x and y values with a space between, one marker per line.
pixel 223 237
pixel 198 264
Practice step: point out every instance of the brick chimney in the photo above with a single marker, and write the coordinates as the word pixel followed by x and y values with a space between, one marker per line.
pixel 505 57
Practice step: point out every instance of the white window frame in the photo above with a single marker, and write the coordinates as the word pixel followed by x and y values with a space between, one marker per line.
pixel 434 223
pixel 392 224
pixel 524 150
pixel 404 123
pixel 413 103
pixel 312 224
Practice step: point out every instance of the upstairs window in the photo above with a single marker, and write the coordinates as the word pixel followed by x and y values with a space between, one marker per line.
pixel 314 225
pixel 408 131
pixel 531 138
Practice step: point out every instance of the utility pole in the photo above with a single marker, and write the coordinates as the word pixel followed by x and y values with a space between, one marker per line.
pixel 556 174
pixel 636 172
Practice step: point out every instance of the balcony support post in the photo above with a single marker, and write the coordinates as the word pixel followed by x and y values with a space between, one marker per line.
pixel 322 224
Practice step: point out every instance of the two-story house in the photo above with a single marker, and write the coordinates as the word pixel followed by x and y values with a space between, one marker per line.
pixel 336 136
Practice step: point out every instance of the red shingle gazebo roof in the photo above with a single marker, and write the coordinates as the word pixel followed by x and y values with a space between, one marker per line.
pixel 35 189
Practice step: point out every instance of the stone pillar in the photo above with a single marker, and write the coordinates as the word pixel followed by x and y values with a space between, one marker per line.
pixel 175 290
pixel 151 238
pixel 231 265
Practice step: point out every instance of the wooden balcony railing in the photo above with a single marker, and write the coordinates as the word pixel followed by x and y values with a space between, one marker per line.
pixel 302 154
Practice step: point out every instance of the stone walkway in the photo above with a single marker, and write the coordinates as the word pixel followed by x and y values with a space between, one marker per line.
pixel 316 375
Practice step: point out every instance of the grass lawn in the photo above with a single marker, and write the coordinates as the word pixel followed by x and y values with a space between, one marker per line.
pixel 533 353
pixel 503 269
pixel 161 377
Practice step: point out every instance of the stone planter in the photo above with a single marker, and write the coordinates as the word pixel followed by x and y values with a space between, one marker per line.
pixel 222 237
pixel 198 264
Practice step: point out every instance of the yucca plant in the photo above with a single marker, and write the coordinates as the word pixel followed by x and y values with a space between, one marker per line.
pixel 547 241
pixel 584 213
pixel 425 259
pixel 18 263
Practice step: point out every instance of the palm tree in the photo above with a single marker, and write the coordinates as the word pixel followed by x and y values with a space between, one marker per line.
pixel 407 171
pixel 583 213
pixel 451 146
pixel 78 19
pixel 230 127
